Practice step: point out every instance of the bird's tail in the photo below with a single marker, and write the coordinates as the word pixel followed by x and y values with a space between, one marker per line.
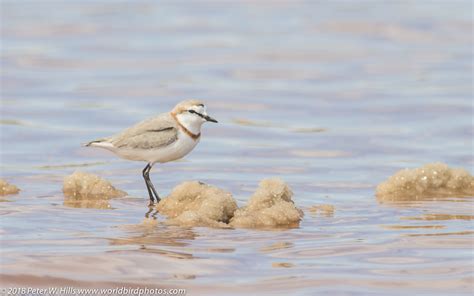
pixel 98 143
pixel 90 143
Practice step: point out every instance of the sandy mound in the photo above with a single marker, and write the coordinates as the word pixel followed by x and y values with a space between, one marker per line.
pixel 194 203
pixel 84 190
pixel 197 204
pixel 431 180
pixel 6 188
pixel 269 206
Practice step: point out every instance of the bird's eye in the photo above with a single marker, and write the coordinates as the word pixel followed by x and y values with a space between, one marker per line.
pixel 195 112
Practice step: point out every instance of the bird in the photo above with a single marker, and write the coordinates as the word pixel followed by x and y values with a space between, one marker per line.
pixel 166 137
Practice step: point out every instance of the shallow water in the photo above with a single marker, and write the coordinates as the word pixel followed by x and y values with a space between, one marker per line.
pixel 332 97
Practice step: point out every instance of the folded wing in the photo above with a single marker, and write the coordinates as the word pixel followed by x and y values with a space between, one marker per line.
pixel 152 133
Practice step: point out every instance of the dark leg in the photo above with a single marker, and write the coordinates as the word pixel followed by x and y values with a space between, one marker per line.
pixel 149 185
pixel 145 172
pixel 157 197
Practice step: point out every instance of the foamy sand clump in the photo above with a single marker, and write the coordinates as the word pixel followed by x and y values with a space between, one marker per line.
pixel 431 180
pixel 197 204
pixel 269 206
pixel 6 188
pixel 85 186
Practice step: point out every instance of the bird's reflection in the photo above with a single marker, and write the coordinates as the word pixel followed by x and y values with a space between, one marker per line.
pixel 102 204
pixel 152 212
pixel 151 233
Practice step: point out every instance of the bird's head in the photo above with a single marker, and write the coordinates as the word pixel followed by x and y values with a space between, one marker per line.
pixel 192 114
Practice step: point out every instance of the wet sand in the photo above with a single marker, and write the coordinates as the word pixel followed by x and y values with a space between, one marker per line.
pixel 334 98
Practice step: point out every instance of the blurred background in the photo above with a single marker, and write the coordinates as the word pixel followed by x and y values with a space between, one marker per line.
pixel 332 96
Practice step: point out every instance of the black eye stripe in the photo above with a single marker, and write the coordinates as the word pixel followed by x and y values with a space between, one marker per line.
pixel 195 112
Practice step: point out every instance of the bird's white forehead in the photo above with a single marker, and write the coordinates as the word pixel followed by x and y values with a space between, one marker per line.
pixel 201 108
pixel 186 105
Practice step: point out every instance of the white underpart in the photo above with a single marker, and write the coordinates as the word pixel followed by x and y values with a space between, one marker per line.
pixel 180 148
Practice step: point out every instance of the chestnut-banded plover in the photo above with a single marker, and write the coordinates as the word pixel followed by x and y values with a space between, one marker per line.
pixel 166 137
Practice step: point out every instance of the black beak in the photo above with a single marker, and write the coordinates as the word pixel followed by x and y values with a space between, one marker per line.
pixel 209 118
